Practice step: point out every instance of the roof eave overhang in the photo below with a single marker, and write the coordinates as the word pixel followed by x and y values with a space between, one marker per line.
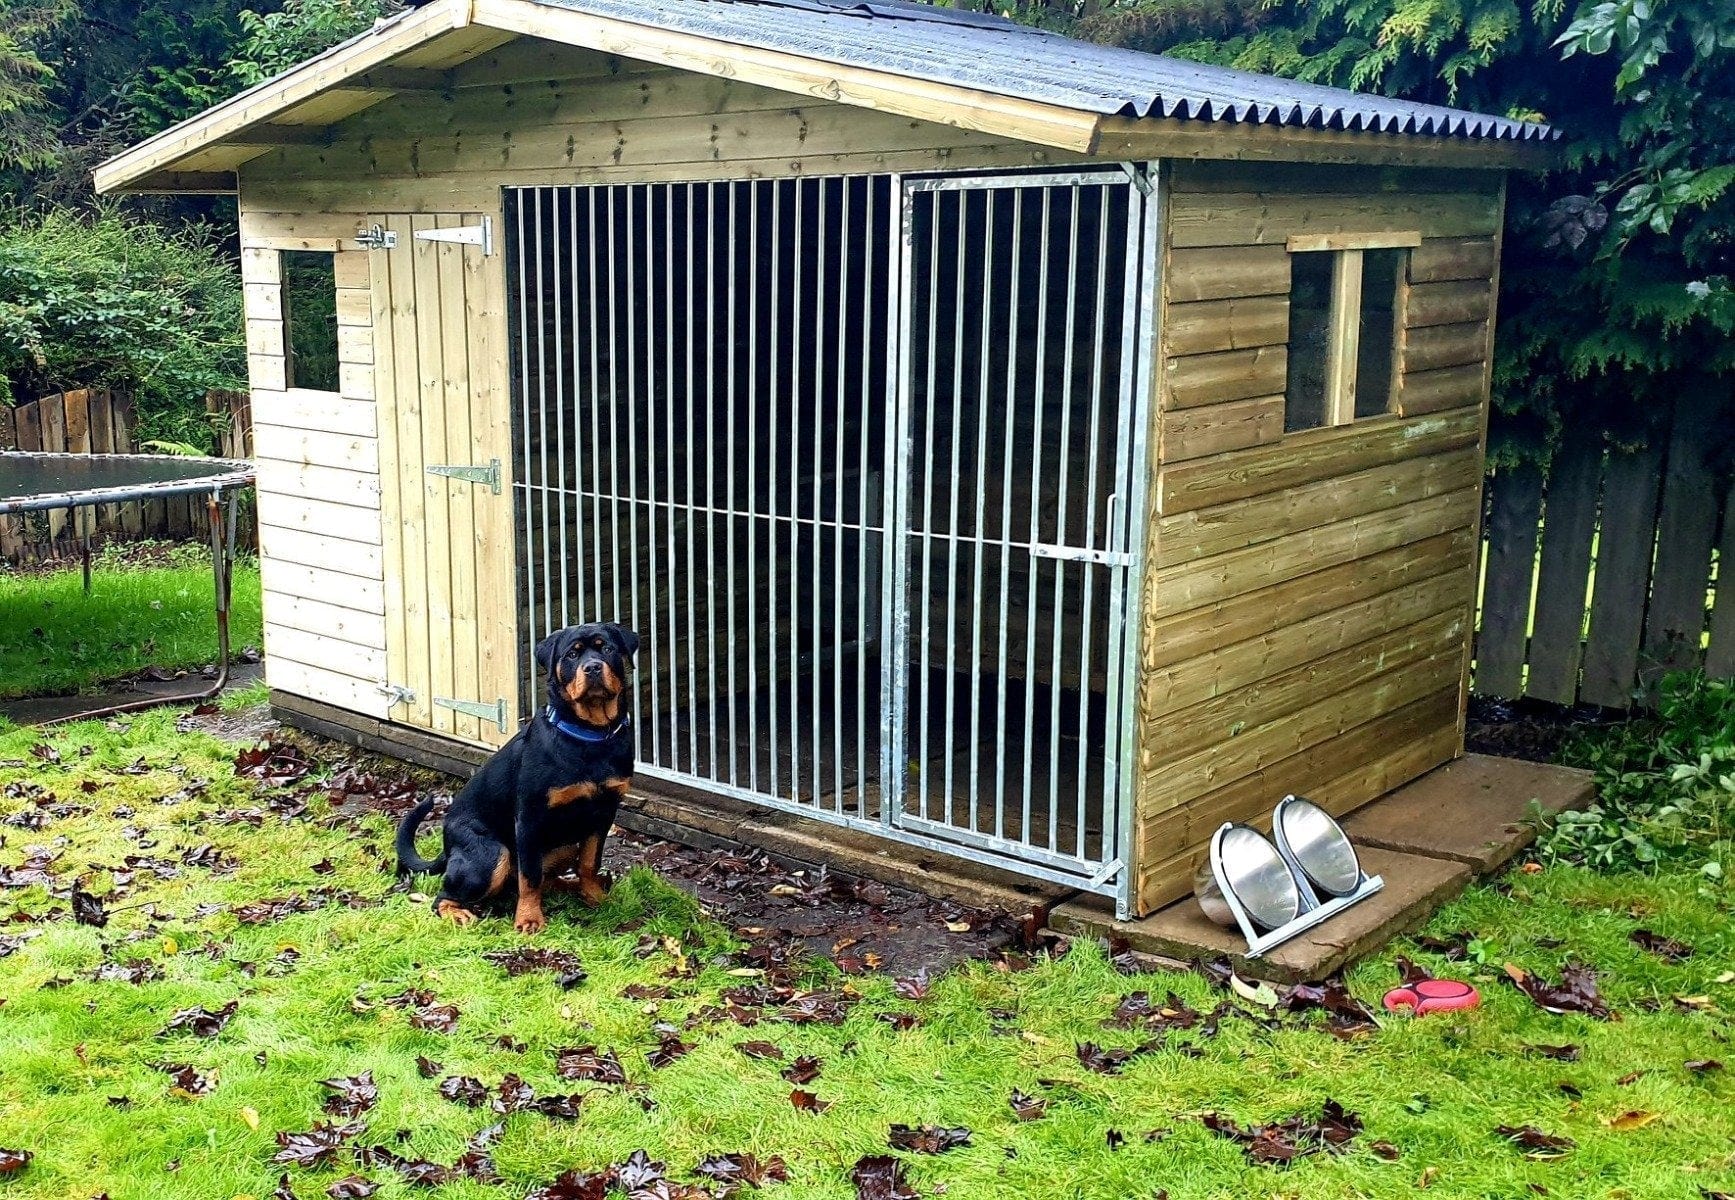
pixel 246 120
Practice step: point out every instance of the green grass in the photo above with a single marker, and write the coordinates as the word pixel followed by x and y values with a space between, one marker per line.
pixel 55 640
pixel 1434 1088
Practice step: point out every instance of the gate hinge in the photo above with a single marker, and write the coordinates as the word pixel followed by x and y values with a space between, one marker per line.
pixel 495 712
pixel 376 237
pixel 465 235
pixel 489 474
pixel 399 693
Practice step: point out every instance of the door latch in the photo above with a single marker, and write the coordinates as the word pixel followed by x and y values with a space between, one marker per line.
pixel 399 693
pixel 489 474
pixel 375 237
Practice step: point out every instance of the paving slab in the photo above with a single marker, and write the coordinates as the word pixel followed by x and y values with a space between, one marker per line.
pixel 1475 810
pixel 1415 886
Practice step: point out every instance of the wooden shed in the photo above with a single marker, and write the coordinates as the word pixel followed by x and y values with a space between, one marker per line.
pixel 1016 448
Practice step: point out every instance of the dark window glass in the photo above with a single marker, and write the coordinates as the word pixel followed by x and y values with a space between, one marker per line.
pixel 1309 335
pixel 1378 340
pixel 310 319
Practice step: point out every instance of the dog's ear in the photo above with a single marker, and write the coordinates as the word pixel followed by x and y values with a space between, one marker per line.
pixel 547 649
pixel 625 639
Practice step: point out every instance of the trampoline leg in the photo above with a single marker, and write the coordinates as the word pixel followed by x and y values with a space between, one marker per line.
pixel 84 524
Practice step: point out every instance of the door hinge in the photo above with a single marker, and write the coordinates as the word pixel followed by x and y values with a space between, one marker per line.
pixel 399 693
pixel 489 474
pixel 495 712
pixel 375 237
pixel 465 235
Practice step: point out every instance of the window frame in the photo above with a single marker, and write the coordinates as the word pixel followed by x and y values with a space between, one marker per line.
pixel 1344 319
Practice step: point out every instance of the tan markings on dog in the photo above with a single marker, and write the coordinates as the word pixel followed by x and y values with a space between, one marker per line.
pixel 502 872
pixel 598 709
pixel 558 860
pixel 566 795
pixel 528 919
pixel 592 888
pixel 617 785
pixel 457 914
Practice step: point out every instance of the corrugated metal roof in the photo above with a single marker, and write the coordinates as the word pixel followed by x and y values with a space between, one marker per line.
pixel 992 54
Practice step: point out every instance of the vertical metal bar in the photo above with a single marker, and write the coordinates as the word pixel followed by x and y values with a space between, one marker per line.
pixel 894 512
pixel 614 409
pixel 524 339
pixel 839 419
pixel 862 516
pixel 1015 261
pixel 927 530
pixel 979 529
pixel 542 422
pixel 632 292
pixel 1087 622
pixel 1125 816
pixel 772 593
pixel 818 461
pixel 593 454
pixel 955 470
pixel 755 569
pixel 573 569
pixel 559 329
pixel 797 258
pixel 710 444
pixel 671 567
pixel 1060 514
pixel 1040 397
pixel 735 260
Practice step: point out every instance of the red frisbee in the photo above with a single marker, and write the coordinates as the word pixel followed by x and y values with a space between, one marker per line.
pixel 1433 995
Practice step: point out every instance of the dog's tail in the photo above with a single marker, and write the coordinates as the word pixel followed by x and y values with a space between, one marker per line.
pixel 409 863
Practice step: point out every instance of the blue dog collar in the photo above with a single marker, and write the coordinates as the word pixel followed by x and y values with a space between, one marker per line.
pixel 580 733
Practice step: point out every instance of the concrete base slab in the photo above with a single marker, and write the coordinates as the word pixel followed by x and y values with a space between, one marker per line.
pixel 1475 811
pixel 1414 887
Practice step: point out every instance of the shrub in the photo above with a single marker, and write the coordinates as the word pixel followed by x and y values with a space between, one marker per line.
pixel 104 301
pixel 1665 785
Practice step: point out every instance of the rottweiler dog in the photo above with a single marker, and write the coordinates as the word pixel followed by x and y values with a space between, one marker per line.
pixel 545 801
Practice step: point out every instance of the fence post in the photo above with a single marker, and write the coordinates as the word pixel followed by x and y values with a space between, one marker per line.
pixel 1623 576
pixel 1568 529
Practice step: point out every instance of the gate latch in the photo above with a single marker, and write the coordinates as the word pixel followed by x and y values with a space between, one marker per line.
pixel 398 693
pixel 489 474
pixel 495 712
pixel 1112 558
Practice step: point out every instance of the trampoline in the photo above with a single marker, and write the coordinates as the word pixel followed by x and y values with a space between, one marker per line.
pixel 37 482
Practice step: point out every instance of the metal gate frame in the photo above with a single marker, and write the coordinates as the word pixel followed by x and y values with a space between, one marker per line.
pixel 1112 876
pixel 1124 549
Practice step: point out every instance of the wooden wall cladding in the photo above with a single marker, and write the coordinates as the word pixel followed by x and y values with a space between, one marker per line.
pixel 1308 596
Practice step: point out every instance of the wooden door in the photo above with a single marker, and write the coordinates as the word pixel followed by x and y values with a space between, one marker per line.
pixel 440 378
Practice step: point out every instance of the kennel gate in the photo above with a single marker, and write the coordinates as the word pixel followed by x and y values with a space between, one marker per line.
pixel 728 392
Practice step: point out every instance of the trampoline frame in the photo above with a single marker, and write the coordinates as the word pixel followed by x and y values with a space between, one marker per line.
pixel 219 487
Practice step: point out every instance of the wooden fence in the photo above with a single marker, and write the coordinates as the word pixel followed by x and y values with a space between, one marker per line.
pixel 95 421
pixel 1602 577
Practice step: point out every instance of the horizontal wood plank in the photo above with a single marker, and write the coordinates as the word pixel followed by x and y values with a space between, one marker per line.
pixel 1217 428
pixel 1439 259
pixel 1448 303
pixel 1225 272
pixel 1423 392
pixel 352 452
pixel 1263 218
pixel 1436 346
pixel 321 412
pixel 357 695
pixel 323 551
pixel 1239 324
pixel 1308 458
pixel 1185 537
pixel 1211 580
pixel 325 620
pixel 332 587
pixel 1199 379
pixel 355 488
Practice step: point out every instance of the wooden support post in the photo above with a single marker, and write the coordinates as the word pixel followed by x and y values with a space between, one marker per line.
pixel 1341 354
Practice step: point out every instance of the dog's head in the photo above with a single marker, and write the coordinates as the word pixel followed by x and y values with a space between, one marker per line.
pixel 587 669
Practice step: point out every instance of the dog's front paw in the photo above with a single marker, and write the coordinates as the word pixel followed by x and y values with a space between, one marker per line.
pixel 529 922
pixel 457 914
pixel 594 889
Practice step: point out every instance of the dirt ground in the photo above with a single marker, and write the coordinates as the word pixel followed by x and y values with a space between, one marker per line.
pixel 1527 729
pixel 782 909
